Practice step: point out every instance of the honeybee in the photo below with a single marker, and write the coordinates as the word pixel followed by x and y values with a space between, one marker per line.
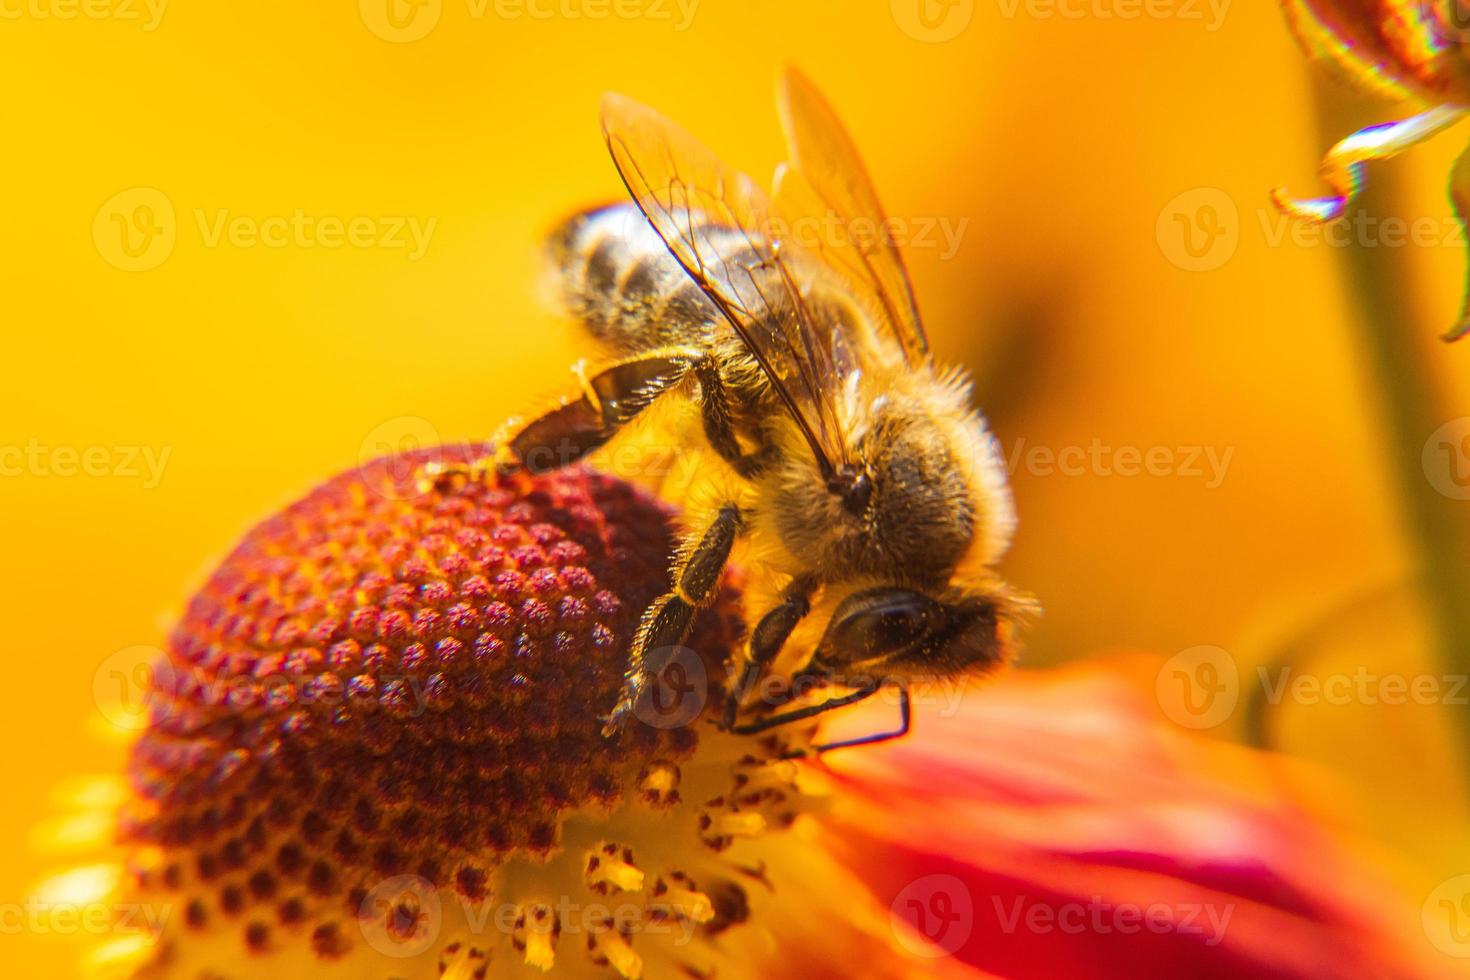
pixel 853 463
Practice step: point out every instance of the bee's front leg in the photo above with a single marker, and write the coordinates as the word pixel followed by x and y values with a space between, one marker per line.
pixel 667 620
pixel 767 639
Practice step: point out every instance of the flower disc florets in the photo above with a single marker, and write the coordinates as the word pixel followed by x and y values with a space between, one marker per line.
pixel 377 747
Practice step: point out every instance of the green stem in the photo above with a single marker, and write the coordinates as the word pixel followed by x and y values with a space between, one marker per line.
pixel 1397 362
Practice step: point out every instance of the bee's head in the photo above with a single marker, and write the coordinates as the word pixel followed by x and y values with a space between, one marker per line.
pixel 894 631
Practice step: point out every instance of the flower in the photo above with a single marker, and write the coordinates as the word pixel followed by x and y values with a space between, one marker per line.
pixel 376 740
pixel 375 749
pixel 1404 48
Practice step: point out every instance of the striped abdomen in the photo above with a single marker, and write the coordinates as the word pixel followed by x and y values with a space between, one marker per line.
pixel 614 274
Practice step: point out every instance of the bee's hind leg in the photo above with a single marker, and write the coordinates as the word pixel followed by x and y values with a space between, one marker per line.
pixel 610 398
pixel 666 622
pixel 719 428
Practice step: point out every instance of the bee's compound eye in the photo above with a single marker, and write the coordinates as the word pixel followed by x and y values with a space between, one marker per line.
pixel 879 622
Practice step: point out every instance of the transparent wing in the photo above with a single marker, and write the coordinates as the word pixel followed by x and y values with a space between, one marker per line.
pixel 835 195
pixel 716 223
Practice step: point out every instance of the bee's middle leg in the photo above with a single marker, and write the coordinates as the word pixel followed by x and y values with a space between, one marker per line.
pixel 767 639
pixel 667 621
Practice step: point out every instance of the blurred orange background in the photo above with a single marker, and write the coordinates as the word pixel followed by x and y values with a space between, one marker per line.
pixel 1117 278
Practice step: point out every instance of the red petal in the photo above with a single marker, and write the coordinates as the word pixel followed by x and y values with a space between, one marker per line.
pixel 1054 826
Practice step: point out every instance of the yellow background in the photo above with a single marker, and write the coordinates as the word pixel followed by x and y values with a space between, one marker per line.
pixel 1064 144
